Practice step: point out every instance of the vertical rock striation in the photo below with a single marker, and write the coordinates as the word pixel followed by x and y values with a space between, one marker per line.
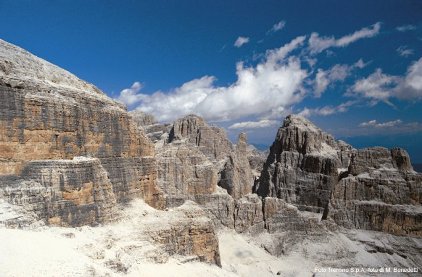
pixel 231 161
pixel 381 192
pixel 303 165
pixel 63 192
pixel 197 162
pixel 46 113
pixel 373 188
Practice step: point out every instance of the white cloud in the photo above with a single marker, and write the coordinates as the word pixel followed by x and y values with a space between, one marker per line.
pixel 405 28
pixel 130 95
pixel 241 41
pixel 404 51
pixel 318 44
pixel 178 102
pixel 373 127
pixel 338 72
pixel 410 86
pixel 360 64
pixel 377 86
pixel 327 110
pixel 414 76
pixel 381 87
pixel 277 27
pixel 374 123
pixel 270 87
pixel 254 124
pixel 324 78
pixel 276 55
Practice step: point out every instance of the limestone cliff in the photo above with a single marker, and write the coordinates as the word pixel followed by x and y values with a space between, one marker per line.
pixel 380 191
pixel 372 188
pixel 302 166
pixel 197 162
pixel 231 161
pixel 47 113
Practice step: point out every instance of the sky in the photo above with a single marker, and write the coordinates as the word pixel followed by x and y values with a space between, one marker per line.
pixel 354 68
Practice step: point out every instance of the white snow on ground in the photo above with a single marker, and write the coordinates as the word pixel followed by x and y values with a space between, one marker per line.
pixel 121 249
pixel 245 258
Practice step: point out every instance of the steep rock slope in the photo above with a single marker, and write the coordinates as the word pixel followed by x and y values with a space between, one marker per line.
pixel 372 188
pixel 381 192
pixel 231 161
pixel 303 165
pixel 46 113
pixel 197 162
pixel 64 192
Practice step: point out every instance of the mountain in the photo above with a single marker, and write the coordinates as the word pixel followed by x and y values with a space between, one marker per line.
pixel 372 188
pixel 112 192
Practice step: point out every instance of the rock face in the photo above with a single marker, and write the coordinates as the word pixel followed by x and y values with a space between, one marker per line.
pixel 381 192
pixel 192 141
pixel 372 188
pixel 302 166
pixel 189 234
pixel 231 161
pixel 236 176
pixel 46 113
pixel 154 130
pixel 63 192
pixel 184 173
pixel 197 162
pixel 211 140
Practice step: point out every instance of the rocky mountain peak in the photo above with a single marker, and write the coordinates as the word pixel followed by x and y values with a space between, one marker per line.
pixel 19 68
pixel 242 142
pixel 401 159
pixel 142 118
pixel 186 127
pixel 301 135
pixel 300 122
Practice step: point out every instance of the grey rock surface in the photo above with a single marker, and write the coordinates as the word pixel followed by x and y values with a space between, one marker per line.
pixel 63 192
pixel 48 114
pixel 374 188
pixel 302 166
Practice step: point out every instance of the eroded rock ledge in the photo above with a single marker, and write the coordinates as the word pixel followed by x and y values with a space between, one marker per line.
pixel 47 118
pixel 374 188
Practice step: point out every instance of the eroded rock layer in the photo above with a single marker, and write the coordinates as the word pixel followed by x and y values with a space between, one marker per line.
pixel 303 165
pixel 231 161
pixel 62 192
pixel 372 188
pixel 381 192
pixel 46 113
pixel 197 162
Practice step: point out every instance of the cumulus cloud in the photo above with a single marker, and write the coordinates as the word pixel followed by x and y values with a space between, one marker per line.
pixel 277 27
pixel 318 44
pixel 327 110
pixel 405 28
pixel 404 51
pixel 338 72
pixel 270 87
pixel 382 87
pixel 130 95
pixel 374 123
pixel 254 124
pixel 324 78
pixel 240 41
pixel 411 86
pixel 377 86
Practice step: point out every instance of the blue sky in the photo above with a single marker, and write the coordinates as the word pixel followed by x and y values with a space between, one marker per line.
pixel 352 67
